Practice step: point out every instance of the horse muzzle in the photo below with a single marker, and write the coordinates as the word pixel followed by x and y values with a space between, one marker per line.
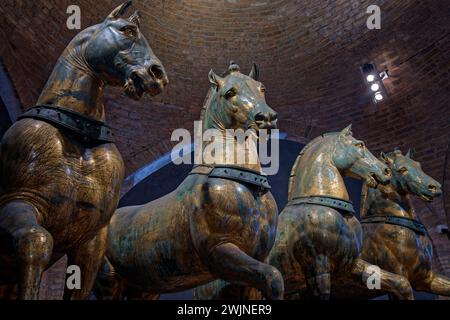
pixel 373 180
pixel 151 81
pixel 434 191
pixel 266 120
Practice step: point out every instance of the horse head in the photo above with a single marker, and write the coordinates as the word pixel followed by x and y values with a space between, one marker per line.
pixel 352 156
pixel 116 52
pixel 408 176
pixel 238 101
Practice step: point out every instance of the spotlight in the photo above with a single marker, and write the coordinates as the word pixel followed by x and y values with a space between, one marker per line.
pixel 378 96
pixel 374 81
pixel 370 78
pixel 375 87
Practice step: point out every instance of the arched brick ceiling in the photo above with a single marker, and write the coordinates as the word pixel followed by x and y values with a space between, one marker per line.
pixel 309 53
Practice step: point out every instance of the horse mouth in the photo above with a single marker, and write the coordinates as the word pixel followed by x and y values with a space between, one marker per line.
pixel 269 126
pixel 373 181
pixel 426 198
pixel 136 86
pixel 258 127
pixel 155 88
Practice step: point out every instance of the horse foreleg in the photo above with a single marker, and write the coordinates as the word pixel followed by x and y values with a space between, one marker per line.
pixel 31 244
pixel 318 279
pixel 395 284
pixel 436 284
pixel 231 264
pixel 88 257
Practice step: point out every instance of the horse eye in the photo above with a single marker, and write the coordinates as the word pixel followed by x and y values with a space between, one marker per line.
pixel 403 170
pixel 129 31
pixel 263 89
pixel 359 145
pixel 230 93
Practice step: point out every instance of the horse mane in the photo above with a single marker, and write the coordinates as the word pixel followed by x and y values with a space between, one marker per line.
pixel 207 102
pixel 299 156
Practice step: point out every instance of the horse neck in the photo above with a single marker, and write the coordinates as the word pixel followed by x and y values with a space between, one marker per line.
pixel 386 200
pixel 73 85
pixel 316 175
pixel 210 121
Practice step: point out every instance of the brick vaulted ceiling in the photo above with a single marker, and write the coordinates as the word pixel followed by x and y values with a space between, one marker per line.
pixel 309 52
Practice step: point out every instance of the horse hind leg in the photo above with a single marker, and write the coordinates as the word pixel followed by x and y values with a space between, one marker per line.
pixel 318 278
pixel 396 285
pixel 31 244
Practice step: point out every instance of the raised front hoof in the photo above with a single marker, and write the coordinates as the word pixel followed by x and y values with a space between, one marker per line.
pixel 404 289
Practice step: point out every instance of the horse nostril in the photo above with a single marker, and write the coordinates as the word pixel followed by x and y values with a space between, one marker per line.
pixel 259 117
pixel 157 71
pixel 387 171
pixel 432 188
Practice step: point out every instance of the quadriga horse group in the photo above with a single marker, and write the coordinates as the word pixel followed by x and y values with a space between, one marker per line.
pixel 219 232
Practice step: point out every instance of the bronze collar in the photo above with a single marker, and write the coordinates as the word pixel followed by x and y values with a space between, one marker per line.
pixel 330 202
pixel 234 173
pixel 89 129
pixel 411 224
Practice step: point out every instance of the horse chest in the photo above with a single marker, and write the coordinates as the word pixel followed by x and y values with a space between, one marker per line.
pixel 91 189
pixel 81 193
pixel 415 252
pixel 248 218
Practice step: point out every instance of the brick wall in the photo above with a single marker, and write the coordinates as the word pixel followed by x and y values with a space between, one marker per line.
pixel 309 52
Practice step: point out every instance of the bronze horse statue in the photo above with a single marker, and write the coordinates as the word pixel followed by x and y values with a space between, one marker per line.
pixel 394 239
pixel 219 223
pixel 320 240
pixel 318 237
pixel 60 173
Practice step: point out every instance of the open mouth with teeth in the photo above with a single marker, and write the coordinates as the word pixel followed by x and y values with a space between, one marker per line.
pixel 426 197
pixel 135 87
pixel 373 180
pixel 257 127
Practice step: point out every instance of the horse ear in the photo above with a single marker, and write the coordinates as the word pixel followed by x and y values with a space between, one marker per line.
pixel 215 80
pixel 135 18
pixel 254 73
pixel 385 158
pixel 347 131
pixel 410 153
pixel 120 10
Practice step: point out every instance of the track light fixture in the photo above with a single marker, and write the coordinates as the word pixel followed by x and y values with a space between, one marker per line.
pixel 374 81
